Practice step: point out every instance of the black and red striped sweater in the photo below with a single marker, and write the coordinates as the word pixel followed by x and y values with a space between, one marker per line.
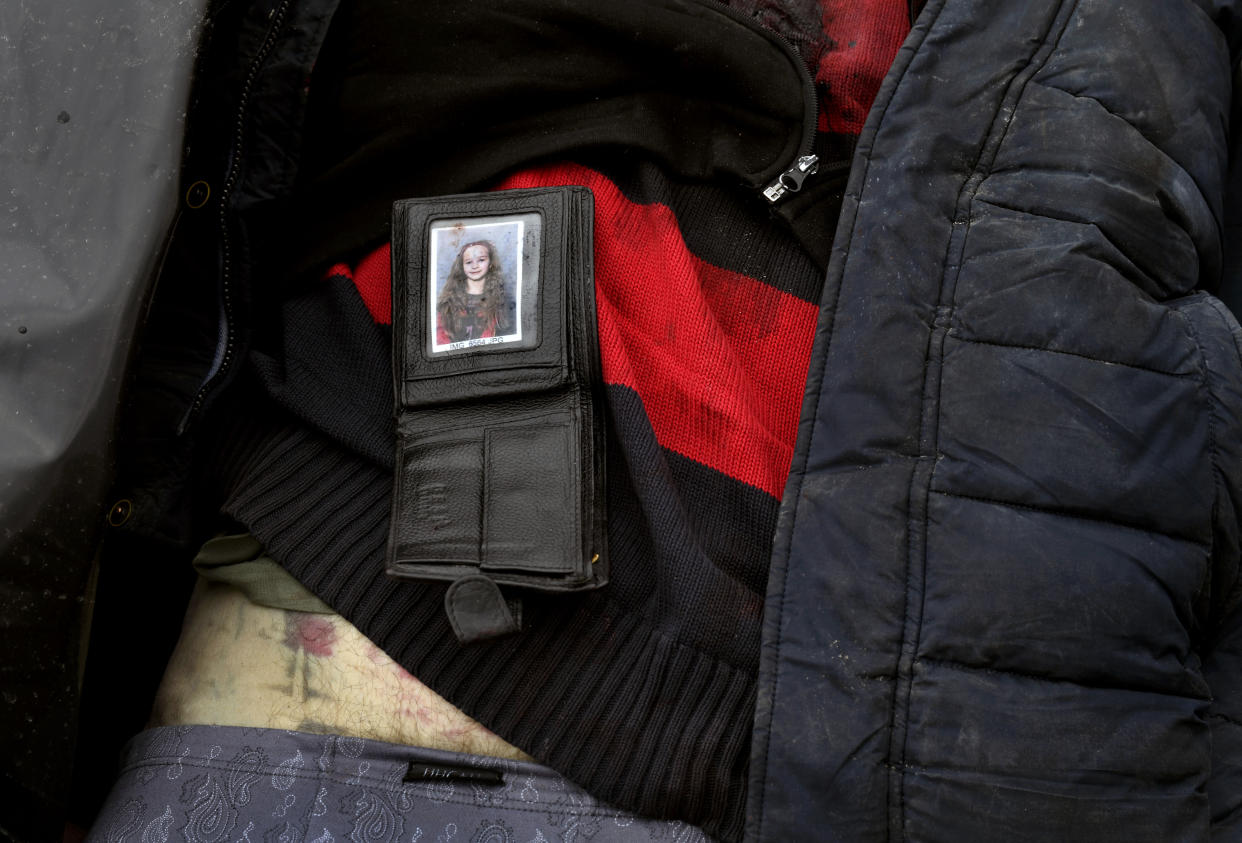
pixel 707 306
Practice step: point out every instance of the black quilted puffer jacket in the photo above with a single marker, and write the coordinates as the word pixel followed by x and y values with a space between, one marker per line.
pixel 1005 601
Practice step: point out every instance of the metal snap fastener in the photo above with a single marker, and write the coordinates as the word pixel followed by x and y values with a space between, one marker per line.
pixel 198 194
pixel 120 512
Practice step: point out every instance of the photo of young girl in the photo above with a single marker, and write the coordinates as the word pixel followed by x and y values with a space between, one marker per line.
pixel 474 304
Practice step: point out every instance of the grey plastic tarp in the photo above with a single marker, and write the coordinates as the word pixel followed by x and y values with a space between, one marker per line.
pixel 92 101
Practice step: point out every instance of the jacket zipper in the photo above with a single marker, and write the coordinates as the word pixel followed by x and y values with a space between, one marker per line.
pixel 805 162
pixel 791 180
pixel 224 359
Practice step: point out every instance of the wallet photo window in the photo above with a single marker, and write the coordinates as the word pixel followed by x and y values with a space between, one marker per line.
pixel 483 283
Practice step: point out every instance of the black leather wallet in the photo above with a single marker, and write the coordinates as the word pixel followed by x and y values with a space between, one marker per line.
pixel 500 436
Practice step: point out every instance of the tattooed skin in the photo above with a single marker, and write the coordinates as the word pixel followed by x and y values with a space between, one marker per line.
pixel 241 664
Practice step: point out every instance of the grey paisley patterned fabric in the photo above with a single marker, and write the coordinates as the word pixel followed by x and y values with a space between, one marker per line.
pixel 222 784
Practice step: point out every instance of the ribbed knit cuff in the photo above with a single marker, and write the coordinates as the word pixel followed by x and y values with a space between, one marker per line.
pixel 591 690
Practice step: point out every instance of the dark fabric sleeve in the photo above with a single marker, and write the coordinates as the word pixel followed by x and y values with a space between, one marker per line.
pixel 1223 669
pixel 1228 16
pixel 1223 659
pixel 1219 337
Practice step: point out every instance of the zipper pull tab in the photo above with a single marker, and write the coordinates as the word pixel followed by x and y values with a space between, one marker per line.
pixel 791 180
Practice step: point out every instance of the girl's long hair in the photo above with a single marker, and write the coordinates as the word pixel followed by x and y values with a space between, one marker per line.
pixel 452 301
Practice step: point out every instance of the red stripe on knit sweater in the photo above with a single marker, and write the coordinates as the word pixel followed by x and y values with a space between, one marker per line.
pixel 718 358
pixel 373 278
